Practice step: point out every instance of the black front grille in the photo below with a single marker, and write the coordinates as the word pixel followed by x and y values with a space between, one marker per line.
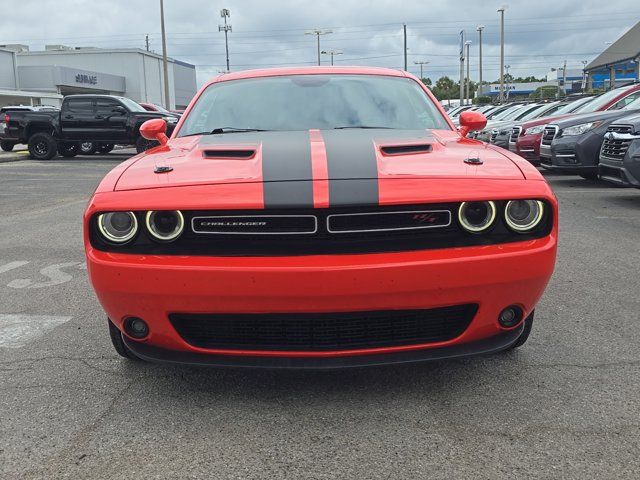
pixel 549 134
pixel 323 331
pixel 494 135
pixel 614 148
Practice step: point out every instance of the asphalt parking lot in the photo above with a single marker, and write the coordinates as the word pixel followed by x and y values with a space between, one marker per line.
pixel 567 405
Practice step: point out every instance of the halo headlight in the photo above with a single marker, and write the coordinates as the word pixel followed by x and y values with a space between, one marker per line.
pixel 165 225
pixel 476 217
pixel 117 227
pixel 523 215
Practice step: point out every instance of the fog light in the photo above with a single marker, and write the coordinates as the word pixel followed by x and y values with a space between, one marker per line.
pixel 510 316
pixel 136 327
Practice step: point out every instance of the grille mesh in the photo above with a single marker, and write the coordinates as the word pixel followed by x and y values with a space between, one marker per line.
pixel 323 331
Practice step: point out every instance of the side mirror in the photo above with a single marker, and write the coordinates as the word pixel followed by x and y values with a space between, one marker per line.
pixel 119 109
pixel 155 129
pixel 471 121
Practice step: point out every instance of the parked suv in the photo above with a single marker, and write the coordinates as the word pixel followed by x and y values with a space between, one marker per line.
pixel 82 118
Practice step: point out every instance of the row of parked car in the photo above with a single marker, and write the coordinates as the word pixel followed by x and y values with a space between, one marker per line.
pixel 590 136
pixel 84 125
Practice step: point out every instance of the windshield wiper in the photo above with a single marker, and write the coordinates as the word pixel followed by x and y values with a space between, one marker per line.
pixel 361 126
pixel 217 131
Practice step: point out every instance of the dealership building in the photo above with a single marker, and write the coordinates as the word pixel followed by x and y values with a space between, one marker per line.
pixel 45 77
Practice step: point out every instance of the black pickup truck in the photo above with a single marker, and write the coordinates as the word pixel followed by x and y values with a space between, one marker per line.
pixel 100 119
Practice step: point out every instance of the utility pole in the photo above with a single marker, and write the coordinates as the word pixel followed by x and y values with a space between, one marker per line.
pixel 564 78
pixel 468 45
pixel 508 80
pixel 421 63
pixel 317 32
pixel 501 11
pixel 167 100
pixel 404 28
pixel 479 28
pixel 225 13
pixel 584 75
pixel 332 53
pixel 461 83
pixel 146 42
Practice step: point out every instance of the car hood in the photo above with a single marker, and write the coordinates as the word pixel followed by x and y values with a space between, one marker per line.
pixel 633 120
pixel 303 156
pixel 592 117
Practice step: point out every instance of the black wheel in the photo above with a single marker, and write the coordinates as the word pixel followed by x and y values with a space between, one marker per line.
pixel 87 148
pixel 105 147
pixel 589 176
pixel 118 343
pixel 7 146
pixel 142 144
pixel 69 149
pixel 528 325
pixel 42 146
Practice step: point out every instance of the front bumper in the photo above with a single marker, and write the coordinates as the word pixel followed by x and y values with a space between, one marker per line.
pixel 625 172
pixel 152 287
pixel 573 154
pixel 528 147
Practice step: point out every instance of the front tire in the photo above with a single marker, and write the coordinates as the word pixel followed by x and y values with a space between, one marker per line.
pixel 69 150
pixel 42 146
pixel 87 148
pixel 105 148
pixel 7 146
pixel 524 336
pixel 118 343
pixel 142 144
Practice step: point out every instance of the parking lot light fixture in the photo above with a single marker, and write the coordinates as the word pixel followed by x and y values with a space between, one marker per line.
pixel 317 32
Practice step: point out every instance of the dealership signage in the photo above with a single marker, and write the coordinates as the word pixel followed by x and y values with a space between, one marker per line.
pixel 90 79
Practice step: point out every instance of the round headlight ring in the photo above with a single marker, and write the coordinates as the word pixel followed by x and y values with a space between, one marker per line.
pixel 164 237
pixel 532 223
pixel 487 222
pixel 107 231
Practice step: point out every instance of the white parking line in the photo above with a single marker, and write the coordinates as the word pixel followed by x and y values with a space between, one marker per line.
pixel 18 330
pixel 11 266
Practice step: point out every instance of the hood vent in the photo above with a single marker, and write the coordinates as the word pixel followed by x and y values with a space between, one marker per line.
pixel 406 149
pixel 240 154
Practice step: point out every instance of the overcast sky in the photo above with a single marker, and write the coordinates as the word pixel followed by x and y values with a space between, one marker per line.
pixel 539 34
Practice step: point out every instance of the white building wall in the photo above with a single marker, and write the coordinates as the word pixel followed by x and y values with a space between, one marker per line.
pixel 7 71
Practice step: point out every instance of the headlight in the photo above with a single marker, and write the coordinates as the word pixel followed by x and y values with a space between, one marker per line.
pixel 118 227
pixel 534 130
pixel 523 215
pixel 476 217
pixel 579 129
pixel 165 225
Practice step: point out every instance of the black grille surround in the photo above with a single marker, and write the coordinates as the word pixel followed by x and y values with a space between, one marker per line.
pixel 322 241
pixel 318 332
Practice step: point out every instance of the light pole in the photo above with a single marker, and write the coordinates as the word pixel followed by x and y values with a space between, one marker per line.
pixel 501 11
pixel 467 44
pixel 167 100
pixel 479 28
pixel 507 67
pixel 584 75
pixel 332 53
pixel 421 63
pixel 461 83
pixel 404 29
pixel 317 32
pixel 225 13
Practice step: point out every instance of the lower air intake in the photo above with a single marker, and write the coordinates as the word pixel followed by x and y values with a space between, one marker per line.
pixel 323 331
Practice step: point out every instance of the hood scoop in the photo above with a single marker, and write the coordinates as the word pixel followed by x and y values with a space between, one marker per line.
pixel 229 154
pixel 411 149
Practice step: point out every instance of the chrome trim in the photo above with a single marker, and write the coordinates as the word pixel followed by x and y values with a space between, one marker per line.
pixel 315 230
pixel 387 213
pixel 620 136
pixel 565 155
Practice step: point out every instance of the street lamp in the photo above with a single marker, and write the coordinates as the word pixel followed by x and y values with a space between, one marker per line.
pixel 225 13
pixel 317 32
pixel 332 53
pixel 421 63
pixel 501 10
pixel 467 45
pixel 167 100
pixel 479 29
pixel 507 67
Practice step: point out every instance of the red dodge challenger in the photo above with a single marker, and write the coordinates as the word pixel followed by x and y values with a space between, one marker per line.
pixel 317 218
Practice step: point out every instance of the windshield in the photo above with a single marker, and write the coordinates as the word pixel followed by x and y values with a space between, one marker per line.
pixel 573 106
pixel 507 112
pixel 635 105
pixel 304 102
pixel 536 112
pixel 131 105
pixel 599 102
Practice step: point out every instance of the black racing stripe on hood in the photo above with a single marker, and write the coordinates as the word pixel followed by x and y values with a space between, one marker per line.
pixel 352 167
pixel 286 165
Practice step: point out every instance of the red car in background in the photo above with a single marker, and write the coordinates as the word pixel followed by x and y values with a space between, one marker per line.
pixel 526 137
pixel 319 217
pixel 152 107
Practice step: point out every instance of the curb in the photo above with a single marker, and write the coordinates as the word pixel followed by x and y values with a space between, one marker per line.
pixel 16 157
